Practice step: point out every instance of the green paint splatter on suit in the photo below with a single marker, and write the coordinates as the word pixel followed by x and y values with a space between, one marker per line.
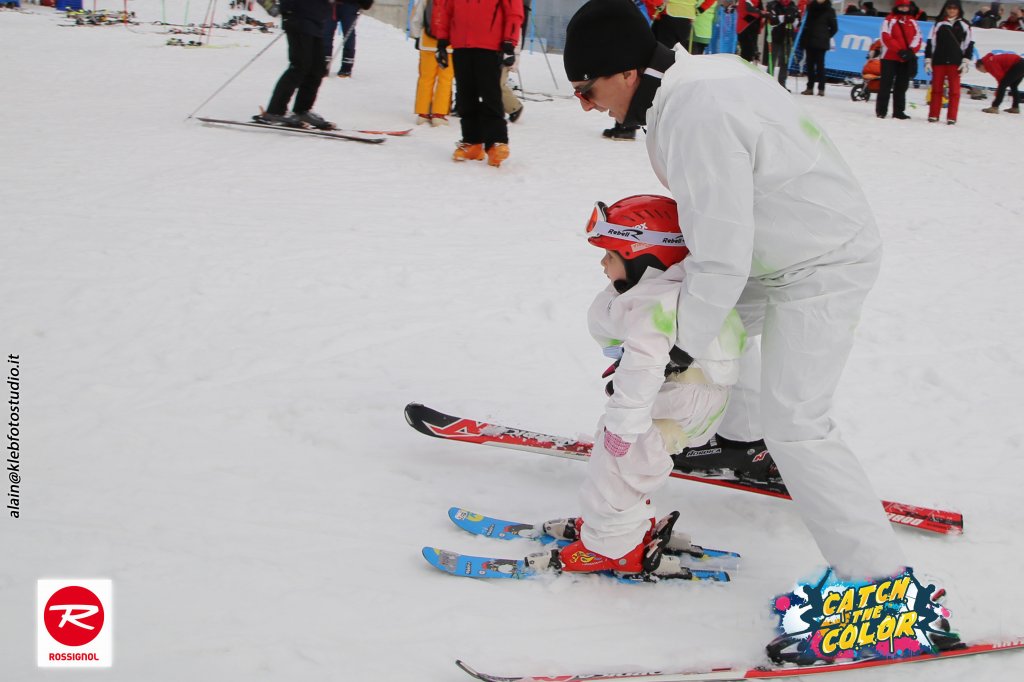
pixel 664 320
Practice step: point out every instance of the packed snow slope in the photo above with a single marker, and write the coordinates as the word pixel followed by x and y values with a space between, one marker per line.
pixel 218 329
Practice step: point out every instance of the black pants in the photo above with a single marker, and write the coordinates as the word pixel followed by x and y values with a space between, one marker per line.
pixel 748 41
pixel 1012 81
pixel 671 30
pixel 782 41
pixel 815 68
pixel 306 68
pixel 895 79
pixel 347 14
pixel 478 95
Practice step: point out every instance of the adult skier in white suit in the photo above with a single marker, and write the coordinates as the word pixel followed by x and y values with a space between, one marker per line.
pixel 779 229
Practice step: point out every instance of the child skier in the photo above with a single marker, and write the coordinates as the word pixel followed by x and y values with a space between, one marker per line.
pixel 661 401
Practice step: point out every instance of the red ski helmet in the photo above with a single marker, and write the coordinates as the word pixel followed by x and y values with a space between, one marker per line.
pixel 643 229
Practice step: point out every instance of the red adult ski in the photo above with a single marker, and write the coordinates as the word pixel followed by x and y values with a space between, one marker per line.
pixel 439 425
pixel 759 673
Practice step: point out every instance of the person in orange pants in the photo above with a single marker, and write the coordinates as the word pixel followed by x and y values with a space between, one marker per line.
pixel 947 55
pixel 434 87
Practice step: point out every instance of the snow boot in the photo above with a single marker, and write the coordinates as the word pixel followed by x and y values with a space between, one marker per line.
pixel 808 91
pixel 497 153
pixel 465 151
pixel 991 110
pixel 1013 110
pixel 576 558
pixel 647 558
pixel 620 133
pixel 316 120
pixel 437 120
pixel 663 531
pixel 422 118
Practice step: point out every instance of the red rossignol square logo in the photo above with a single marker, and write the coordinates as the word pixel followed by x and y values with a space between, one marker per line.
pixel 75 619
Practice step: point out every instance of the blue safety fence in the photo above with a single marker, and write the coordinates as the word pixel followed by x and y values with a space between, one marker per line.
pixel 850 47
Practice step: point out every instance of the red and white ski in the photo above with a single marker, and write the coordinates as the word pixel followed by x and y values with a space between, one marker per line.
pixel 759 673
pixel 439 425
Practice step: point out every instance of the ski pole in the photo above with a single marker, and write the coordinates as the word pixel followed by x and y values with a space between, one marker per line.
pixel 247 65
pixel 544 50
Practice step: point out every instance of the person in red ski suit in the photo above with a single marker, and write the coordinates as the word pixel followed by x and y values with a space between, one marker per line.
pixel 901 39
pixel 483 35
pixel 1008 69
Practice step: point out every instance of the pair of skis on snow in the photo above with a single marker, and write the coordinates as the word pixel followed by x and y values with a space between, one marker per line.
pixel 697 563
pixel 709 565
pixel 365 136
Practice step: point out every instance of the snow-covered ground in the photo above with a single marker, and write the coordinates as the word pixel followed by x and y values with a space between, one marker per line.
pixel 218 329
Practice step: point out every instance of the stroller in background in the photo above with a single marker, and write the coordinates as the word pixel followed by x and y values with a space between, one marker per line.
pixel 870 75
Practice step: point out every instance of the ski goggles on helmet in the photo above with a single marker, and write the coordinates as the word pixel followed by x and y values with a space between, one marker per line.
pixel 602 233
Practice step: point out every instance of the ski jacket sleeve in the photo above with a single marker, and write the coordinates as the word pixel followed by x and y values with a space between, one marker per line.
pixel 441 19
pixel 716 209
pixel 416 18
pixel 648 321
pixel 513 20
pixel 600 324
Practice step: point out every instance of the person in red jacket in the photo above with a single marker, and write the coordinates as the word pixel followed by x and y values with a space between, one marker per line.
pixel 1008 69
pixel 483 36
pixel 901 39
pixel 749 19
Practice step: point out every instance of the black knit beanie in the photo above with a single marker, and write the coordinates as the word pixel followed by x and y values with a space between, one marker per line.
pixel 606 37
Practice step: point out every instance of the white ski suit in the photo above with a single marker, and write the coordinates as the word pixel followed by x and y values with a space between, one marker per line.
pixel 655 414
pixel 780 230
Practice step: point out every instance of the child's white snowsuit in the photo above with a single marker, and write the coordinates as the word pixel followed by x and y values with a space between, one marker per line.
pixel 657 415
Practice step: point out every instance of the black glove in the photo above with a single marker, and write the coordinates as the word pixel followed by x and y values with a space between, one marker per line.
pixel 442 53
pixel 905 55
pixel 509 50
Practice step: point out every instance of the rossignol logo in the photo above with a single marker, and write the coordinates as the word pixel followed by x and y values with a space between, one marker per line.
pixel 74 623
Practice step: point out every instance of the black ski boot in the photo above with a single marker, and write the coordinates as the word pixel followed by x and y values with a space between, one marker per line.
pixel 316 120
pixel 620 133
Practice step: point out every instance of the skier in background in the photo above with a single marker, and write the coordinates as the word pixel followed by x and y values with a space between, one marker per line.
pixel 1008 70
pixel 483 36
pixel 343 21
pixel 304 22
pixel 749 19
pixel 792 245
pixel 901 39
pixel 434 85
pixel 947 55
pixel 820 25
pixel 783 21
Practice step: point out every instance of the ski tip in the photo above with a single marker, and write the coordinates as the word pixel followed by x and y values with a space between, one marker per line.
pixel 464 667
